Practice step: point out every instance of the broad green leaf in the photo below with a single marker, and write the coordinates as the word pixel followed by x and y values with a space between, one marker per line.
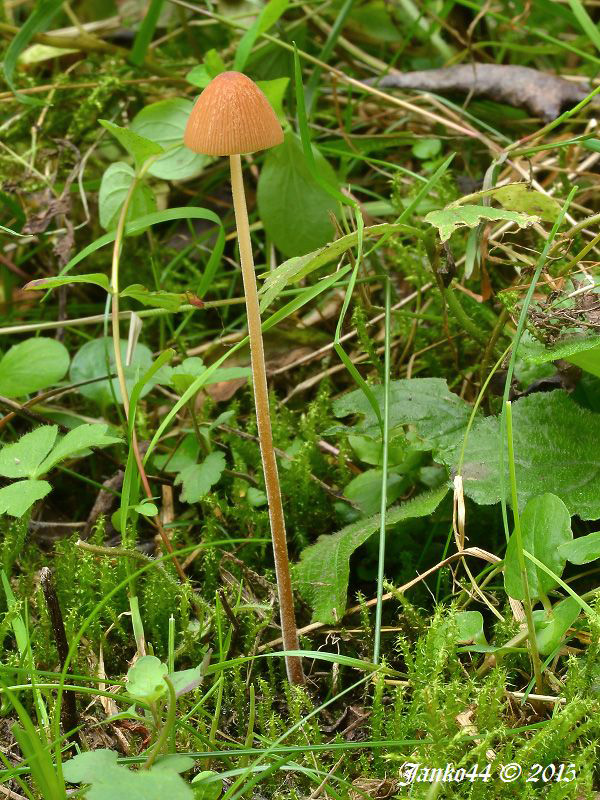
pixel 145 679
pixel 22 459
pixel 298 267
pixel 549 631
pixel 146 509
pixel 324 568
pixel 438 416
pixel 95 278
pixel 172 301
pixel 32 365
pixel 212 65
pixel 109 780
pixel 186 455
pixel 374 21
pixel 207 785
pixel 556 448
pixel 76 443
pixel 197 480
pixel 365 489
pixel 545 526
pixel 582 550
pixel 265 20
pixel 17 498
pixel 183 375
pixel 520 197
pixel 90 363
pixel 426 148
pixel 164 123
pixel 136 145
pixel 114 188
pixel 274 90
pixel 294 209
pixel 583 351
pixel 448 220
pixel 470 628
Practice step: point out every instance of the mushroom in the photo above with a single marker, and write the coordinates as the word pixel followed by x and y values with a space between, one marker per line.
pixel 230 117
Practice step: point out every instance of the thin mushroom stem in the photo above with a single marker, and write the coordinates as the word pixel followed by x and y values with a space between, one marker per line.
pixel 263 419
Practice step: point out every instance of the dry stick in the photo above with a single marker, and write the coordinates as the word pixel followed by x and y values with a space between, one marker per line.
pixel 261 400
pixel 69 716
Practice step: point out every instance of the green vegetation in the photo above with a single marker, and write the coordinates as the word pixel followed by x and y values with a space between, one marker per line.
pixel 428 291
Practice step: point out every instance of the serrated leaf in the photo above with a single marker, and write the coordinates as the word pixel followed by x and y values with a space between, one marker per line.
pixel 298 267
pixel 438 416
pixel 294 208
pixel 582 550
pixel 145 679
pixel 549 631
pixel 160 298
pixel 76 443
pixel 17 498
pixel 95 278
pixel 198 479
pixel 324 568
pixel 448 220
pixel 164 123
pixel 22 459
pixel 114 188
pixel 545 526
pixel 545 428
pixel 136 145
pixel 32 365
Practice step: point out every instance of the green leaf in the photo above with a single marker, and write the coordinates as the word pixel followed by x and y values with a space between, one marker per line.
pixel 22 459
pixel 274 90
pixel 212 65
pixel 545 526
pixel 298 267
pixel 207 785
pixel 186 455
pixel 198 479
pixel 90 363
pixel 426 148
pixel 521 197
pixel 76 443
pixel 549 631
pixel 145 679
pixel 145 32
pixel 545 428
pixel 110 780
pixel 38 21
pixel 183 375
pixel 265 20
pixel 323 570
pixel 114 188
pixel 438 416
pixel 470 628
pixel 146 509
pixel 294 209
pixel 164 123
pixel 172 301
pixel 186 680
pixel 31 365
pixel 17 498
pixel 95 278
pixel 365 489
pixel 136 145
pixel 373 21
pixel 583 351
pixel 448 220
pixel 582 550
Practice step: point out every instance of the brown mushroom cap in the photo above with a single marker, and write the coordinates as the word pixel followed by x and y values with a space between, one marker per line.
pixel 231 116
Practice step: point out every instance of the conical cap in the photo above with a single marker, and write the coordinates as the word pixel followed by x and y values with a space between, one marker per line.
pixel 232 115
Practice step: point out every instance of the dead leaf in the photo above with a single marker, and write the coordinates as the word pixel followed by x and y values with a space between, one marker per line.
pixel 543 95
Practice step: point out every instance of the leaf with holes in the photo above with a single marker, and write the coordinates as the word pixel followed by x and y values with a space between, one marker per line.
pixel 447 220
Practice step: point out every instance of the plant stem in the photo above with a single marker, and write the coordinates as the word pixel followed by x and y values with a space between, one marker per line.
pixel 263 419
pixel 535 656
